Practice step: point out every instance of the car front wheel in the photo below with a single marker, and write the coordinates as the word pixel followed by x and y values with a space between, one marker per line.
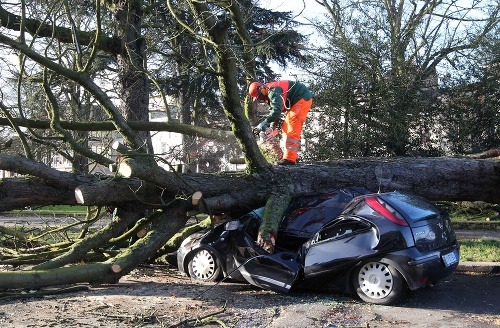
pixel 204 265
pixel 379 283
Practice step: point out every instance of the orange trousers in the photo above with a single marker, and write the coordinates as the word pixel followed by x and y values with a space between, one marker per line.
pixel 292 128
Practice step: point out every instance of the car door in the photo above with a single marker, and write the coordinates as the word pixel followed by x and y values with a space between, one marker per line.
pixel 249 262
pixel 338 245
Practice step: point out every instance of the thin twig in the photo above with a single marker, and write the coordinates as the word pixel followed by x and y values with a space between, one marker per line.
pixel 179 324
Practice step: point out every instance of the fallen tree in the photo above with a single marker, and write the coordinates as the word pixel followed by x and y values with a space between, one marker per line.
pixel 167 195
pixel 110 271
pixel 441 178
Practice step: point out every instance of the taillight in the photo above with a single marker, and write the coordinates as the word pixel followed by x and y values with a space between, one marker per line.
pixel 386 210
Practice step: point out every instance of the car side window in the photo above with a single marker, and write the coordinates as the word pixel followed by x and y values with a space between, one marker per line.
pixel 341 229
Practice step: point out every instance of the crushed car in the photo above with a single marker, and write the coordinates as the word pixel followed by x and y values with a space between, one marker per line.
pixel 376 245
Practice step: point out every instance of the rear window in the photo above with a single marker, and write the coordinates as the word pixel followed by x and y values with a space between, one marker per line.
pixel 411 206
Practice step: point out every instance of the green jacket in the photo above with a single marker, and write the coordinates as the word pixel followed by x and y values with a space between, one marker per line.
pixel 283 95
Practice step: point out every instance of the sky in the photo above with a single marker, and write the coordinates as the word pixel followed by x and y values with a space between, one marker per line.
pixel 310 9
pixel 306 10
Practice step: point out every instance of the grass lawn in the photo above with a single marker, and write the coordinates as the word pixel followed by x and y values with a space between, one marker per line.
pixel 475 216
pixel 58 209
pixel 472 215
pixel 480 250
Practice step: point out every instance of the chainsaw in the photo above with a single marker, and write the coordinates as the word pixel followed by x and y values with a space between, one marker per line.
pixel 269 142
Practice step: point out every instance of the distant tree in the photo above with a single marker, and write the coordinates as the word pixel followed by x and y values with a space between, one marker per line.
pixel 376 91
pixel 470 109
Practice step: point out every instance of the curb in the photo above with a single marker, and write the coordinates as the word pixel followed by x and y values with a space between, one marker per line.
pixel 477 234
pixel 479 267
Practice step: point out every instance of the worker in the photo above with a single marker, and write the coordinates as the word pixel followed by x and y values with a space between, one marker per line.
pixel 290 97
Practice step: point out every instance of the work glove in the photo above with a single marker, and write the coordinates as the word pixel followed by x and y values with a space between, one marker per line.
pixel 263 126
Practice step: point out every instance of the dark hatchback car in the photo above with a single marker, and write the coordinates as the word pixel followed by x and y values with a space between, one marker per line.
pixel 374 245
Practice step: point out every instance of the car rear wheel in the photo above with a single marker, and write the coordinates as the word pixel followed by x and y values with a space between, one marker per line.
pixel 204 265
pixel 379 283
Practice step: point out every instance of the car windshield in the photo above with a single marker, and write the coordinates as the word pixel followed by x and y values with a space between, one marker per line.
pixel 415 208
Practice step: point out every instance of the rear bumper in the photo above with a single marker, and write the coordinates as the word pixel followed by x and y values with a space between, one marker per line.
pixel 420 269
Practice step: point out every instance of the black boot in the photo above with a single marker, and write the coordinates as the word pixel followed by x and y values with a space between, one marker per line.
pixel 285 162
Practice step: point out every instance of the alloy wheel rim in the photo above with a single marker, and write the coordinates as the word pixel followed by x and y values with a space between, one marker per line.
pixel 203 265
pixel 375 280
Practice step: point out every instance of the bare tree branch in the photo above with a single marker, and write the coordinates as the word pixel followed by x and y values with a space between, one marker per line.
pixel 110 45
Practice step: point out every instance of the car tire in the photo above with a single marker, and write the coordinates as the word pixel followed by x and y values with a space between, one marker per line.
pixel 379 283
pixel 204 265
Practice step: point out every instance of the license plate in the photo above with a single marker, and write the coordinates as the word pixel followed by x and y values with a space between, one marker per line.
pixel 450 258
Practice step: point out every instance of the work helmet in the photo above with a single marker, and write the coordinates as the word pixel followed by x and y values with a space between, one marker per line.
pixel 253 90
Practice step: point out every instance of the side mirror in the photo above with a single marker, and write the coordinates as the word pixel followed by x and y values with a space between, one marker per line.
pixel 233 225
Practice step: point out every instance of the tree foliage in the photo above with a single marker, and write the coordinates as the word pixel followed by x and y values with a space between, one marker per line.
pixel 470 110
pixel 382 70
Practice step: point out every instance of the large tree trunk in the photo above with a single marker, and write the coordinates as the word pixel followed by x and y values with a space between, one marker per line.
pixel 134 88
pixel 443 178
pixel 171 195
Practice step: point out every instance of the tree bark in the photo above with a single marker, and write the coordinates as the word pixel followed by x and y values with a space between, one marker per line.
pixel 275 208
pixel 117 191
pixel 19 193
pixel 134 82
pixel 451 179
pixel 495 152
pixel 217 28
pixel 63 34
pixel 441 178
